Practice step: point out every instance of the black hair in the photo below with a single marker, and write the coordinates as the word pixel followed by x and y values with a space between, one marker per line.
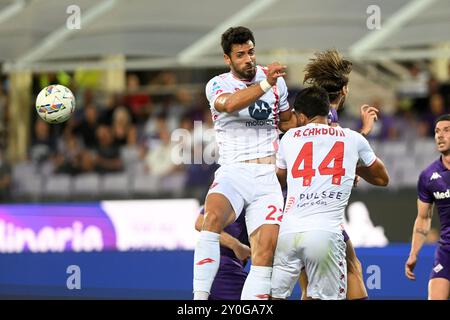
pixel 312 101
pixel 237 35
pixel 444 117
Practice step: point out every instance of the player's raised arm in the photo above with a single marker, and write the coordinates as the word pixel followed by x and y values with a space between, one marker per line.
pixel 422 226
pixel 231 102
pixel 375 174
pixel 368 117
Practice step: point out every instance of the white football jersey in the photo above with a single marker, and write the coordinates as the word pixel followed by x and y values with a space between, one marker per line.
pixel 251 132
pixel 321 163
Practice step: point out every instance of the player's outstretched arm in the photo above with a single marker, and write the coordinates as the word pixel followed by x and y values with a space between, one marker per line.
pixel 241 250
pixel 231 102
pixel 422 226
pixel 375 174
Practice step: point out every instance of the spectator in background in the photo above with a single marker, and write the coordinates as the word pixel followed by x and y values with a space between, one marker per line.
pixel 152 130
pixel 176 106
pixel 124 131
pixel 415 87
pixel 138 102
pixel 444 88
pixel 86 129
pixel 43 145
pixel 435 110
pixel 108 154
pixel 158 160
pixel 69 155
pixel 3 113
pixel 201 175
pixel 5 178
pixel 109 106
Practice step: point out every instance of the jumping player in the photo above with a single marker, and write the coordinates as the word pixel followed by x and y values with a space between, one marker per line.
pixel 319 163
pixel 331 71
pixel 247 104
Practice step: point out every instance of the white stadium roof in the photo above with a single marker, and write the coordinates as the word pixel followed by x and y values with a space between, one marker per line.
pixel 174 33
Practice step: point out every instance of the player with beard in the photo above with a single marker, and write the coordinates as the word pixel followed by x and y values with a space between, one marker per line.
pixel 248 104
pixel 433 188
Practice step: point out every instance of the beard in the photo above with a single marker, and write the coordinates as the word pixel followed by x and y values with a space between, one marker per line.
pixel 248 72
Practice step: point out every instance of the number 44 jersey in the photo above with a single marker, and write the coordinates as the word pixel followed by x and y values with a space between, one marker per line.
pixel 320 161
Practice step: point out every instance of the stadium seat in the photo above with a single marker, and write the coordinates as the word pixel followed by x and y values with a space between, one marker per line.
pixel 174 183
pixel 86 185
pixel 58 186
pixel 145 185
pixel 115 184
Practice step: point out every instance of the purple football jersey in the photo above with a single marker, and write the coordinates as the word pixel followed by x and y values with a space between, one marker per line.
pixel 434 187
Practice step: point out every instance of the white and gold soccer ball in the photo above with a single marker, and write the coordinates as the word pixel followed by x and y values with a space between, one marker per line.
pixel 55 103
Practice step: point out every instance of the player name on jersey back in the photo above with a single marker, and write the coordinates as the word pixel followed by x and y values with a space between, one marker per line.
pixel 321 162
pixel 308 132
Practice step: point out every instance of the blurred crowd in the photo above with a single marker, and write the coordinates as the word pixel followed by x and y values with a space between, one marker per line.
pixel 132 131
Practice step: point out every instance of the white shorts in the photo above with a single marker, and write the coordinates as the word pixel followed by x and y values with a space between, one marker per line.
pixel 321 253
pixel 253 187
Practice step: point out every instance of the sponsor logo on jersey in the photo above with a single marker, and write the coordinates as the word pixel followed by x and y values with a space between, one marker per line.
pixel 260 110
pixel 442 195
pixel 435 176
pixel 255 123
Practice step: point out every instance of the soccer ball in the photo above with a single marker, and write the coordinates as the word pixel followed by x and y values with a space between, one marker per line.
pixel 55 103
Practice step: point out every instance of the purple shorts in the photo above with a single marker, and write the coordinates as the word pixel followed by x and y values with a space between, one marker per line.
pixel 229 280
pixel 441 265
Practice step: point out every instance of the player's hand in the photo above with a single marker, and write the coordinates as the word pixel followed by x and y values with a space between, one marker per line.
pixel 368 117
pixel 274 71
pixel 409 267
pixel 242 251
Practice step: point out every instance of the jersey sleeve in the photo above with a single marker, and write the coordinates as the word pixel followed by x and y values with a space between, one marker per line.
pixel 422 191
pixel 215 87
pixel 366 155
pixel 284 104
pixel 281 160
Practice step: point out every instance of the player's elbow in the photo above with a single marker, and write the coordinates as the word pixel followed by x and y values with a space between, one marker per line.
pixel 229 106
pixel 384 181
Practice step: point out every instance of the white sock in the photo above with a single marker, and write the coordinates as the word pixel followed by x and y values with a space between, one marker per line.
pixel 206 263
pixel 257 284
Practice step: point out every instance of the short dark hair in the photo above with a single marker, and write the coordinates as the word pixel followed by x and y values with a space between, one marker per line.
pixel 312 101
pixel 236 35
pixel 444 117
pixel 328 70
